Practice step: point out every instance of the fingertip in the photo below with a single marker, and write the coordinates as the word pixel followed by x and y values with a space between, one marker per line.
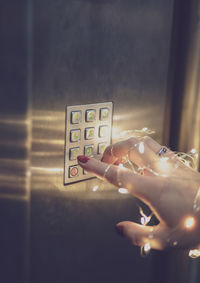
pixel 83 159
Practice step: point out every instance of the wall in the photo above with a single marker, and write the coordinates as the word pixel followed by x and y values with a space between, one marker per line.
pixel 88 51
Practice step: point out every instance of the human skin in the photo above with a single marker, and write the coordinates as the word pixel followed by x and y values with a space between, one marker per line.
pixel 169 191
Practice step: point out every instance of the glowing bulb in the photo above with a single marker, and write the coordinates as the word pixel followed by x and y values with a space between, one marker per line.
pixel 141 147
pixel 189 222
pixel 193 151
pixel 121 165
pixel 163 165
pixel 187 163
pixel 147 247
pixel 123 133
pixel 144 129
pixel 95 188
pixel 194 253
pixel 164 159
pixel 123 191
pixel 145 219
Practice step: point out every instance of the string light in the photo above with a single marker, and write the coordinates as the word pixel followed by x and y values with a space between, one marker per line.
pixel 189 222
pixel 193 150
pixel 162 167
pixel 144 218
pixel 121 166
pixel 194 253
pixel 141 147
pixel 123 191
pixel 95 188
pixel 146 249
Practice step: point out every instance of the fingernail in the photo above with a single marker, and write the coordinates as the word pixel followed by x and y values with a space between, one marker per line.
pixel 118 161
pixel 83 158
pixel 119 230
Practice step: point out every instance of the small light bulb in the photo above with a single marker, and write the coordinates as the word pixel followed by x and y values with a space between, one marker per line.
pixel 95 188
pixel 194 253
pixel 147 247
pixel 123 191
pixel 141 147
pixel 193 151
pixel 144 129
pixel 189 222
pixel 122 133
pixel 121 165
pixel 163 165
pixel 143 220
pixel 187 163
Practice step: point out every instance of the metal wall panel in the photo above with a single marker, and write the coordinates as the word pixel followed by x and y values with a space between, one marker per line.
pixel 90 51
pixel 15 134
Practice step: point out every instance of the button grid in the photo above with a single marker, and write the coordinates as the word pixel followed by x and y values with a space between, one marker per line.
pixel 88 132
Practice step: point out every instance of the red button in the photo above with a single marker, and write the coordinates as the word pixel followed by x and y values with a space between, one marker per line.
pixel 73 171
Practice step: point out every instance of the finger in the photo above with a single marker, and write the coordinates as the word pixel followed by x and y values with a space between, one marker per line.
pixel 147 172
pixel 140 235
pixel 137 150
pixel 147 188
pixel 116 151
pixel 157 165
pixel 155 146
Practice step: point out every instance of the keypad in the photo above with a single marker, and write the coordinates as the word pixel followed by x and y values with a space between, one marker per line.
pixel 88 132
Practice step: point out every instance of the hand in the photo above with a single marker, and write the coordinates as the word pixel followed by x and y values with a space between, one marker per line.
pixel 167 186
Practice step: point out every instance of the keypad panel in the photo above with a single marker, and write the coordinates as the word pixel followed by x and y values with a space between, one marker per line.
pixel 88 132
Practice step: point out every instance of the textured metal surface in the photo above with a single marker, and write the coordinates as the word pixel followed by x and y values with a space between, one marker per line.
pixel 15 142
pixel 85 51
pixel 91 51
pixel 83 126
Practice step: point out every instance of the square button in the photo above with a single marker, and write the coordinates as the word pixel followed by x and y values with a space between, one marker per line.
pixel 73 171
pixel 90 115
pixel 101 147
pixel 104 113
pixel 75 135
pixel 103 131
pixel 73 153
pixel 76 117
pixel 88 150
pixel 89 133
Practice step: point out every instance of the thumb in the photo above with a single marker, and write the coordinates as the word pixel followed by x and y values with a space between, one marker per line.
pixel 139 235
